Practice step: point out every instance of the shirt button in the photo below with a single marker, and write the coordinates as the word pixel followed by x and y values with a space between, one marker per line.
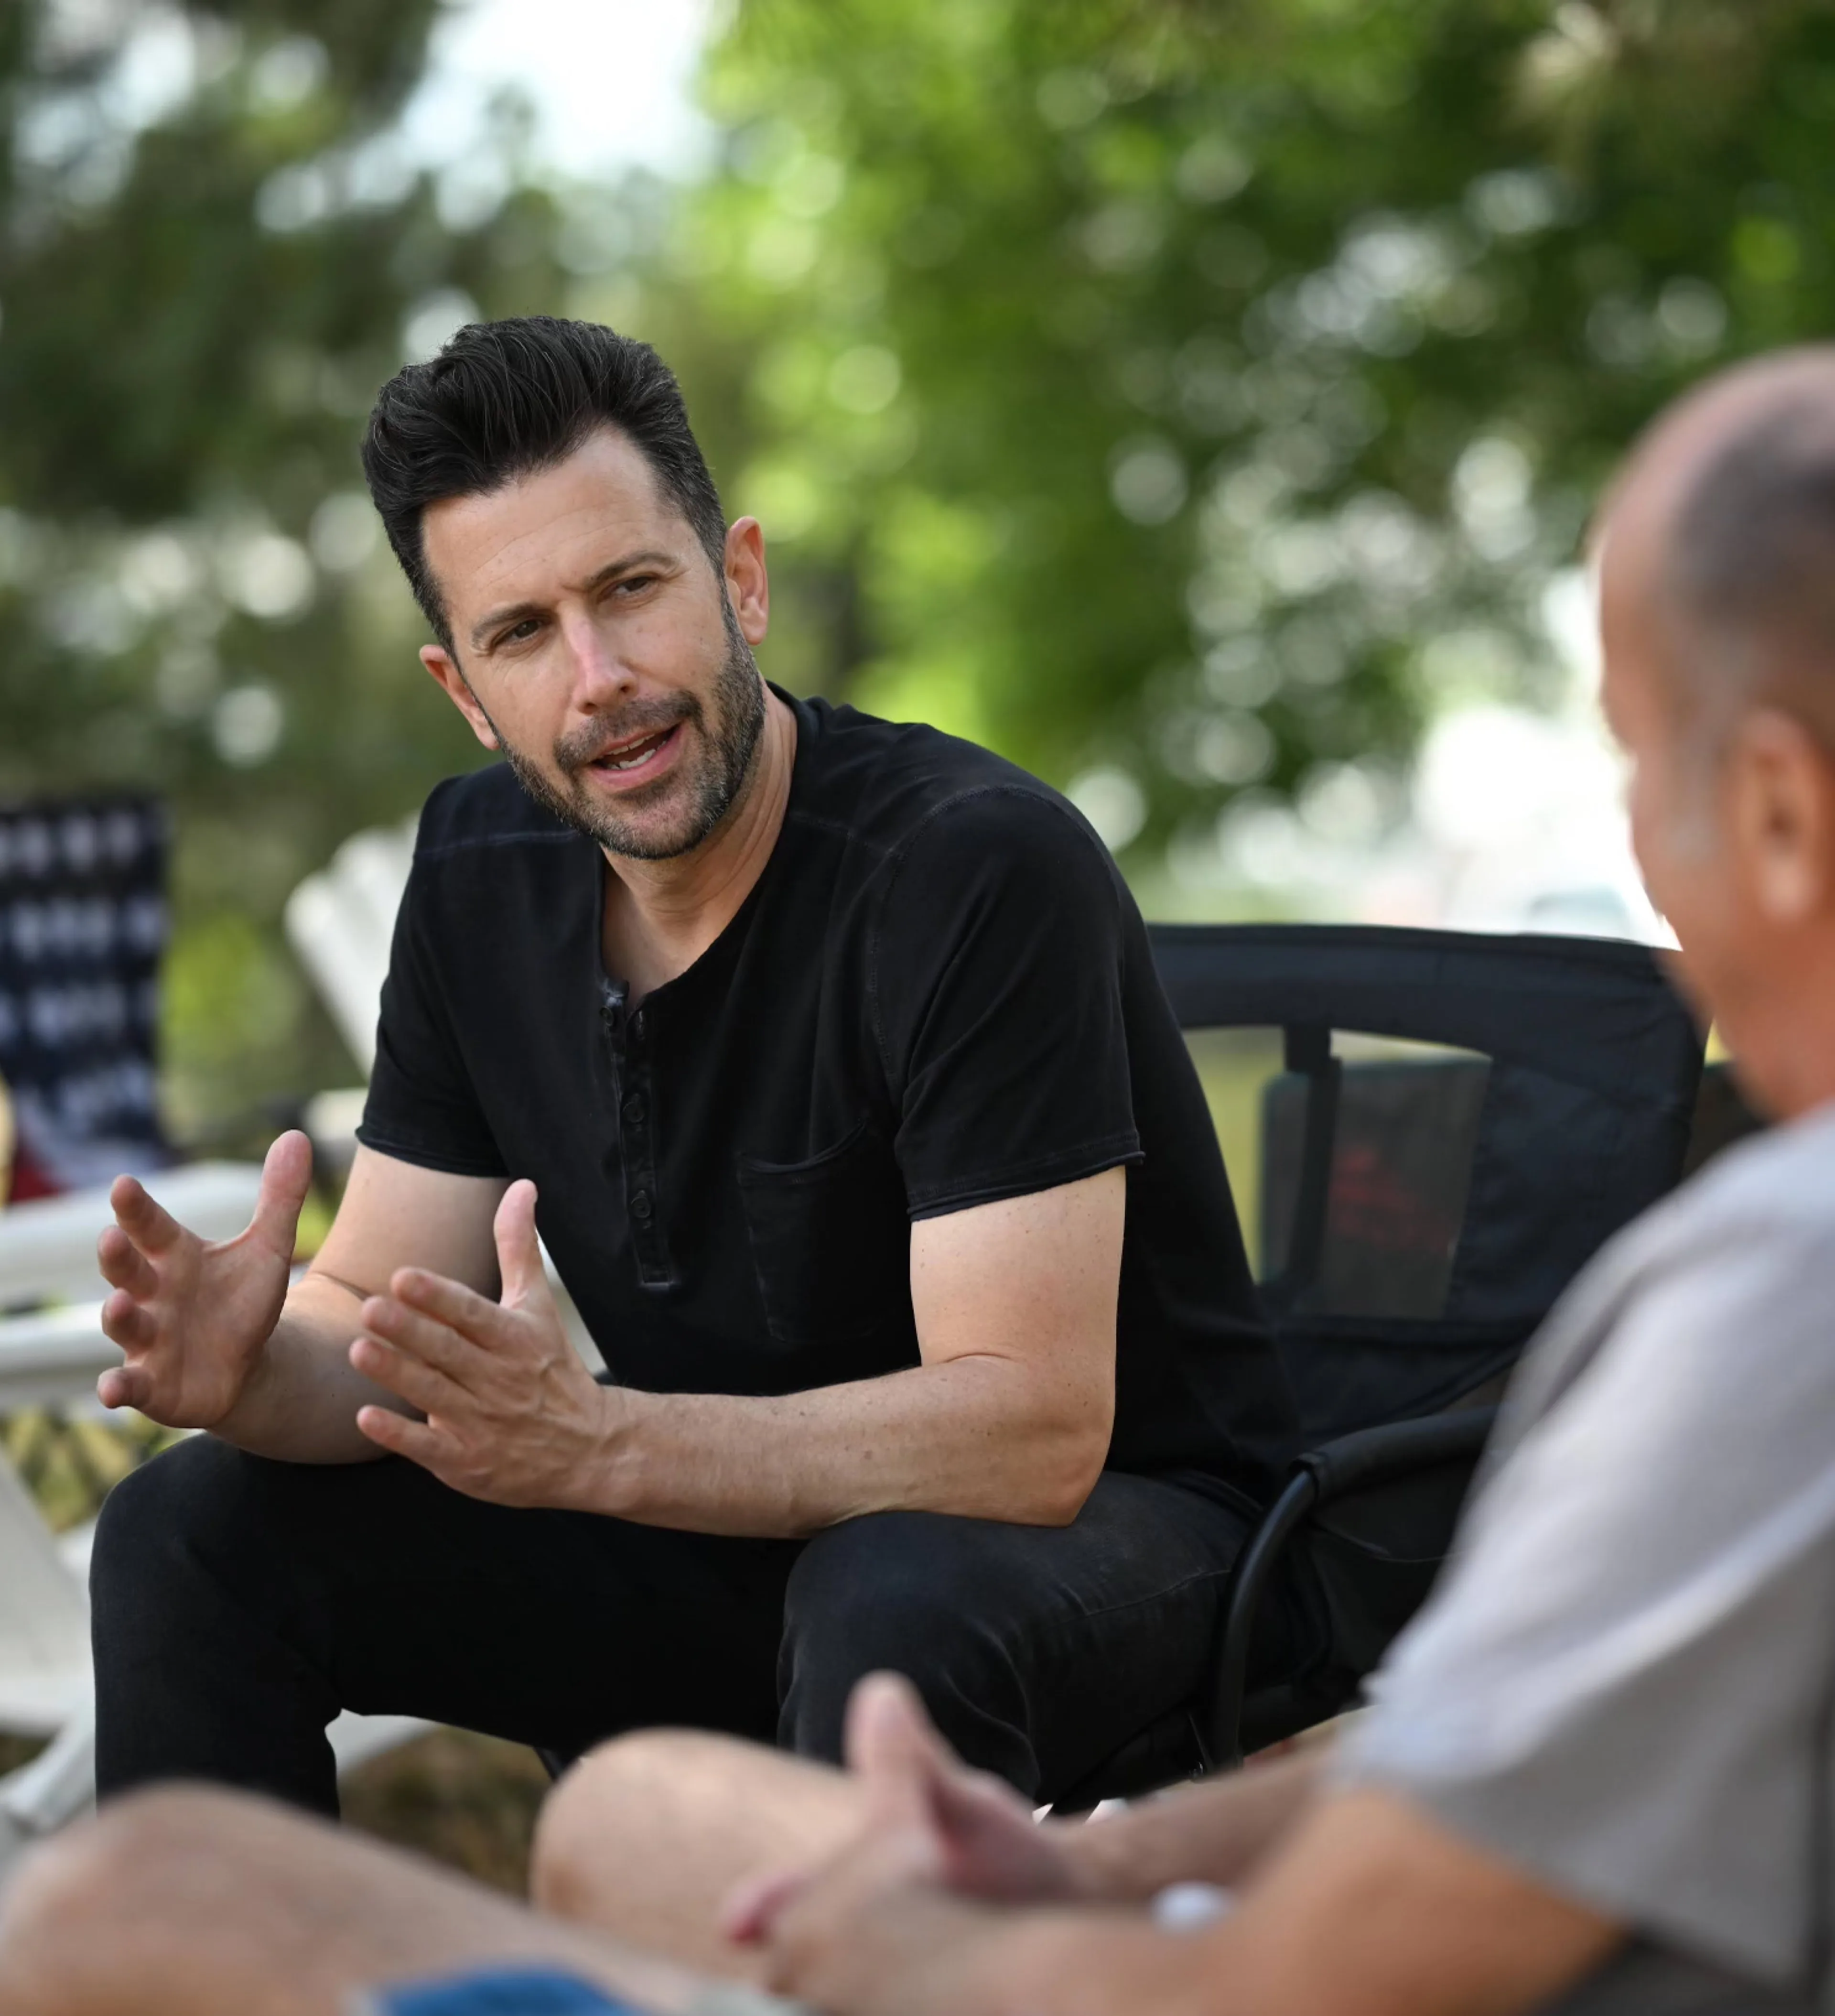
pixel 634 1110
pixel 641 1207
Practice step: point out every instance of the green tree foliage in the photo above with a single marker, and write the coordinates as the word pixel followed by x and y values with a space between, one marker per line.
pixel 1183 395
pixel 211 252
pixel 1201 393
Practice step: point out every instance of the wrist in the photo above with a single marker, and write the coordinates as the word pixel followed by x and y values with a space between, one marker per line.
pixel 1105 1861
pixel 248 1393
pixel 613 1482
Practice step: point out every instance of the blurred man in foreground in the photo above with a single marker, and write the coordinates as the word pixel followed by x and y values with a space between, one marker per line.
pixel 1596 1775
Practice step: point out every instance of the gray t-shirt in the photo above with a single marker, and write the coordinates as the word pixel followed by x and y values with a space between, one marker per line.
pixel 1624 1684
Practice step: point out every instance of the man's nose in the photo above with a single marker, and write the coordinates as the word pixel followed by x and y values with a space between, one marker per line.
pixel 599 672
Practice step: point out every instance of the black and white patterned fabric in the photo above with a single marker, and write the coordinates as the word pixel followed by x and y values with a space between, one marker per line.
pixel 82 925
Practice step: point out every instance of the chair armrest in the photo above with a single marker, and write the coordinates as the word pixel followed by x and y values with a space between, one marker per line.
pixel 1354 1462
pixel 1379 1455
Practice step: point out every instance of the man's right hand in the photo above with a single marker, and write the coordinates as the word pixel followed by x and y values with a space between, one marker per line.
pixel 192 1318
pixel 977 1837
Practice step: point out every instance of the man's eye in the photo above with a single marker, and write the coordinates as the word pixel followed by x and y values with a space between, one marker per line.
pixel 520 633
pixel 635 584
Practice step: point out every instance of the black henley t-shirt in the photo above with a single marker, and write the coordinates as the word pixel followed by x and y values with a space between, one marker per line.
pixel 939 993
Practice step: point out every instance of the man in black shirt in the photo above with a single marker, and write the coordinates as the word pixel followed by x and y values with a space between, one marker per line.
pixel 829 1056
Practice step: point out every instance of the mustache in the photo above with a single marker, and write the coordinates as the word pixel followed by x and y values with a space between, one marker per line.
pixel 587 744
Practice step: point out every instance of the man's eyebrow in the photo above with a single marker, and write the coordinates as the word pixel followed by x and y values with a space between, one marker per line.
pixel 517 612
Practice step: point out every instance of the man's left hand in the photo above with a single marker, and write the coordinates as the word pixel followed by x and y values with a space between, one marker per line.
pixel 876 1929
pixel 509 1413
pixel 875 1938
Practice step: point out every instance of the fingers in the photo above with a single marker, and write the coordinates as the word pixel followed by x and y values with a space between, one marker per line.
pixel 968 1803
pixel 286 1175
pixel 888 1748
pixel 433 1342
pixel 890 1743
pixel 887 1729
pixel 754 1906
pixel 408 1377
pixel 150 1225
pixel 450 1303
pixel 126 1323
pixel 126 1386
pixel 416 1440
pixel 519 1253
pixel 123 1265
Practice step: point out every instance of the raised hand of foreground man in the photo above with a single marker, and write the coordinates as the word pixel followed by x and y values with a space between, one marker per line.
pixel 191 1316
pixel 928 1818
pixel 879 1912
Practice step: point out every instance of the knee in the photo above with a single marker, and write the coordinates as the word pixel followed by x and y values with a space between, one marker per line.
pixel 894 1589
pixel 610 1803
pixel 53 1900
pixel 916 1593
pixel 201 1487
pixel 79 1896
pixel 175 1489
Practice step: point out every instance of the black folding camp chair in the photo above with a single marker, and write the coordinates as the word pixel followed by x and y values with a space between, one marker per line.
pixel 1419 1212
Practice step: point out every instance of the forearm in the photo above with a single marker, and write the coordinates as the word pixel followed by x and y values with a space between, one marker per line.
pixel 1081 1964
pixel 1216 1833
pixel 1371 1907
pixel 975 1437
pixel 301 1401
pixel 939 1956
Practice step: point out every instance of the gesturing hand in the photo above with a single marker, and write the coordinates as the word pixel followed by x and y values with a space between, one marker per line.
pixel 191 1317
pixel 967 1830
pixel 509 1413
pixel 869 1930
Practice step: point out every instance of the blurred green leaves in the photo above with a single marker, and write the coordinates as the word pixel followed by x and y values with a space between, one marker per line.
pixel 211 252
pixel 1185 396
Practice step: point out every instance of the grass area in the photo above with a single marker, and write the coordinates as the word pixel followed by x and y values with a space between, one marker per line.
pixel 17 1750
pixel 470 1802
pixel 72 1466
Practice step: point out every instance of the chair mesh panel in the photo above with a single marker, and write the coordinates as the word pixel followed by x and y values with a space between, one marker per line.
pixel 1400 1172
pixel 1419 1216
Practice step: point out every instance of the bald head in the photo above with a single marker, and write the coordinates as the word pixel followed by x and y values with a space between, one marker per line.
pixel 1722 531
pixel 1717 607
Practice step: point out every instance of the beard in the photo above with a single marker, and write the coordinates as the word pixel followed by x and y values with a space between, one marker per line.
pixel 726 734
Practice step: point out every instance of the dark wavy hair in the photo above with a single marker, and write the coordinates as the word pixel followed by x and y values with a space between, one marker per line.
pixel 505 399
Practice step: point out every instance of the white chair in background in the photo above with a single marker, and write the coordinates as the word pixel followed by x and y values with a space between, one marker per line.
pixel 341 923
pixel 51 1355
pixel 46 1684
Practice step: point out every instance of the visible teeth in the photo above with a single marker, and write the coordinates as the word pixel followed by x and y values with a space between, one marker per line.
pixel 641 755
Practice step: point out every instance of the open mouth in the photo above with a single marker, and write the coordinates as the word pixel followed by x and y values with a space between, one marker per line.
pixel 627 759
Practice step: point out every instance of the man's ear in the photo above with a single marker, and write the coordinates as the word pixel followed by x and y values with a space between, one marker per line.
pixel 748 586
pixel 1780 788
pixel 444 668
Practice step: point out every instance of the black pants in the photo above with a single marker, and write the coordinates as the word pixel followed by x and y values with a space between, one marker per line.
pixel 240 1604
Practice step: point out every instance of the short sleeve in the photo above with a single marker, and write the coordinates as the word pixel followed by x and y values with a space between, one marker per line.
pixel 1622 1684
pixel 423 1107
pixel 997 992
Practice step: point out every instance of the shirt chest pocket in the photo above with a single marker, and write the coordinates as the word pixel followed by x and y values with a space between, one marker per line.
pixel 831 1243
